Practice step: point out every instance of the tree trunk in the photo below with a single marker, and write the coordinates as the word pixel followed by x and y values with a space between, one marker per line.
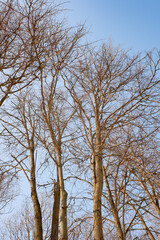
pixel 98 186
pixel 55 215
pixel 63 216
pixel 97 216
pixel 63 201
pixel 36 204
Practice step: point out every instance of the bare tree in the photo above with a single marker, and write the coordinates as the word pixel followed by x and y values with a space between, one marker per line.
pixel 136 148
pixel 108 88
pixel 143 159
pixel 20 134
pixel 21 22
pixel 62 51
pixel 56 117
pixel 126 201
pixel 47 47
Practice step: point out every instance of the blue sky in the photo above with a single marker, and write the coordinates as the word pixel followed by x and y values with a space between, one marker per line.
pixel 134 24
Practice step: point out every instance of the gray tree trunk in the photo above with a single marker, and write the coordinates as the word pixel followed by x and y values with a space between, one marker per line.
pixel 55 215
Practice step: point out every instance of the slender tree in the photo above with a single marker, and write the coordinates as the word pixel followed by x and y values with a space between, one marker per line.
pixel 20 133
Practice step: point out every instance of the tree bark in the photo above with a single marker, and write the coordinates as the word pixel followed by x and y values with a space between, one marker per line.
pixel 63 201
pixel 98 186
pixel 55 215
pixel 36 204
pixel 63 216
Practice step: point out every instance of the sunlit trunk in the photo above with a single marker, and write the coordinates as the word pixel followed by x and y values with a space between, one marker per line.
pixel 36 204
pixel 98 186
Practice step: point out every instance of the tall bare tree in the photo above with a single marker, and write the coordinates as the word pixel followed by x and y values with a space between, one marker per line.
pixel 20 134
pixel 62 51
pixel 56 122
pixel 108 88
pixel 48 46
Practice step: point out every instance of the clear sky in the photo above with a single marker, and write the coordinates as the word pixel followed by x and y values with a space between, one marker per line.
pixel 134 24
